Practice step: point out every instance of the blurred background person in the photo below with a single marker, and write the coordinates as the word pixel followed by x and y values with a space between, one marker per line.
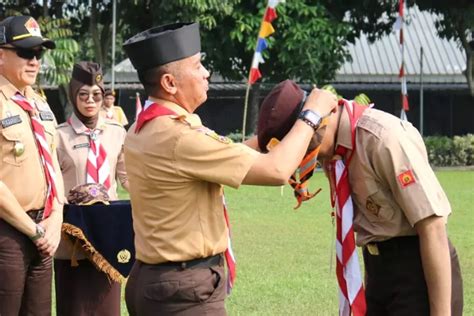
pixel 111 111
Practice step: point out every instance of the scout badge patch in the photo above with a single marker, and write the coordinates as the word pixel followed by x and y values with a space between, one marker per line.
pixel 406 178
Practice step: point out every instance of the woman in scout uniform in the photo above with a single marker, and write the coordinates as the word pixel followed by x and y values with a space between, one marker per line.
pixel 31 188
pixel 89 151
pixel 399 210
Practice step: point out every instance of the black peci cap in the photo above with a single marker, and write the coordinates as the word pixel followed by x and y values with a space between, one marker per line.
pixel 163 44
pixel 23 32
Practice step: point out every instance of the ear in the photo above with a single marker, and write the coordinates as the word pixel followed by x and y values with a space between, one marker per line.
pixel 168 83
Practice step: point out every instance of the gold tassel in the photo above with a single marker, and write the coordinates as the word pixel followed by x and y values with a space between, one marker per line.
pixel 94 256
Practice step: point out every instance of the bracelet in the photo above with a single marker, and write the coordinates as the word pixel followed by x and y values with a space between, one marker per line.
pixel 40 232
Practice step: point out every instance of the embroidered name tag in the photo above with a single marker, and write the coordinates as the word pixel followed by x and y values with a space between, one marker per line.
pixel 12 120
pixel 46 116
pixel 85 145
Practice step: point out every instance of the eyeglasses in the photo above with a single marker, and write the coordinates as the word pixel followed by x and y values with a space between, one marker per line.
pixel 26 53
pixel 96 96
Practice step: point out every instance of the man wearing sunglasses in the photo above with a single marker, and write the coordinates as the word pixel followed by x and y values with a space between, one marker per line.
pixel 31 185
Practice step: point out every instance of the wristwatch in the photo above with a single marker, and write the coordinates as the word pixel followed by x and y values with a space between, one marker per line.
pixel 311 118
pixel 39 233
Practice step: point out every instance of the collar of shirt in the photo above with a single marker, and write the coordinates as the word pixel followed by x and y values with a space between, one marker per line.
pixel 80 128
pixel 8 90
pixel 192 119
pixel 344 134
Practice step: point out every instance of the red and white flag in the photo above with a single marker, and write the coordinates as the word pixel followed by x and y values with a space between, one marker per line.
pixel 138 106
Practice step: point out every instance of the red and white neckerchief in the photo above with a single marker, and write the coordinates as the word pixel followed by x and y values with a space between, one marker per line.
pixel 229 253
pixel 97 166
pixel 349 277
pixel 153 110
pixel 43 149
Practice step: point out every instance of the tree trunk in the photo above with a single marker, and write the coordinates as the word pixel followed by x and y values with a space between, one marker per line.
pixel 94 30
pixel 45 9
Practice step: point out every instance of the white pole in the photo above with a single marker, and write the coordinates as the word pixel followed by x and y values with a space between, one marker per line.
pixel 114 7
pixel 421 92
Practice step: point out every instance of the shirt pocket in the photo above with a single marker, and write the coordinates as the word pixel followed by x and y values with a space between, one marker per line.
pixel 379 206
pixel 15 136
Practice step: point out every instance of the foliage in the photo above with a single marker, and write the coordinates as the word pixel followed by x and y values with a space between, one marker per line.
pixel 58 63
pixel 445 151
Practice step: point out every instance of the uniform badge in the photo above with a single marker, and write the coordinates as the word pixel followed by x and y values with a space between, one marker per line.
pixel 33 28
pixel 218 137
pixel 372 207
pixel 46 116
pixel 84 145
pixel 98 78
pixel 124 256
pixel 406 178
pixel 11 120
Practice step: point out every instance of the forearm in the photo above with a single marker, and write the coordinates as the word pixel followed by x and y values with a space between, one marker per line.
pixel 12 212
pixel 436 264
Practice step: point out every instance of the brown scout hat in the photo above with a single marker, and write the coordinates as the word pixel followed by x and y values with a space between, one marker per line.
pixel 85 73
pixel 109 92
pixel 23 32
pixel 88 194
pixel 279 111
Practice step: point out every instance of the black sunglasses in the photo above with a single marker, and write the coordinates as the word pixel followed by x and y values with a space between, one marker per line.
pixel 26 53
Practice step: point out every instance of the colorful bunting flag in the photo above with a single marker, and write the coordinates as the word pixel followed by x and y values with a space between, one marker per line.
pixel 266 29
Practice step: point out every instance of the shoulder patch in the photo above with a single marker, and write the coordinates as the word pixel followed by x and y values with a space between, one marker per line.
pixel 214 135
pixel 371 125
pixel 406 178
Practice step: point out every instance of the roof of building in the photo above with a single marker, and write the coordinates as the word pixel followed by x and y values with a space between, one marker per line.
pixel 379 62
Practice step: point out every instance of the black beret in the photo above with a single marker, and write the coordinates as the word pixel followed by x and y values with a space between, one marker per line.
pixel 24 32
pixel 279 111
pixel 163 44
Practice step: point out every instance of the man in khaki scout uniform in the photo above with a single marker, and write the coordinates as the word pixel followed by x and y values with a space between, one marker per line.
pixel 400 209
pixel 177 168
pixel 31 188
pixel 111 111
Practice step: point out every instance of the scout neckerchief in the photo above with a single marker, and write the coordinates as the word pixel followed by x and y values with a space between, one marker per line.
pixel 351 290
pixel 43 150
pixel 304 171
pixel 153 110
pixel 97 166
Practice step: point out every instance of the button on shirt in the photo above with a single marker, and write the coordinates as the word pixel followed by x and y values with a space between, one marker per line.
pixel 176 168
pixel 18 169
pixel 386 149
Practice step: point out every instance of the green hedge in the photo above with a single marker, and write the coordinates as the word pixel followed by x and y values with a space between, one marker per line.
pixel 445 151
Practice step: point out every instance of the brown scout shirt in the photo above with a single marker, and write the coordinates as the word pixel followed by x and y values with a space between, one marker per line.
pixel 117 114
pixel 386 149
pixel 23 174
pixel 176 170
pixel 73 148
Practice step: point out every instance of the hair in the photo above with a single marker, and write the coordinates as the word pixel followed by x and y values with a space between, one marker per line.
pixel 150 78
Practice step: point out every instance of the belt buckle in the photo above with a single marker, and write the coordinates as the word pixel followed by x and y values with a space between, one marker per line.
pixel 373 249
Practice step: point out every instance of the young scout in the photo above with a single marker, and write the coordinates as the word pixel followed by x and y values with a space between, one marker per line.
pixel 177 168
pixel 401 210
pixel 31 187
pixel 111 111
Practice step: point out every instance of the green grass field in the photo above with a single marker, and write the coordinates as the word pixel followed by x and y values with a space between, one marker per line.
pixel 284 256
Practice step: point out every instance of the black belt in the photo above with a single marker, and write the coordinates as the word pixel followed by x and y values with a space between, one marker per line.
pixel 392 245
pixel 36 215
pixel 195 263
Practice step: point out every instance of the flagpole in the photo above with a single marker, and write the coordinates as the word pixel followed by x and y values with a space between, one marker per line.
pixel 246 103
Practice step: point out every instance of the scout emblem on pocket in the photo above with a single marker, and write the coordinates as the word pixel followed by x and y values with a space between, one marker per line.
pixel 372 207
